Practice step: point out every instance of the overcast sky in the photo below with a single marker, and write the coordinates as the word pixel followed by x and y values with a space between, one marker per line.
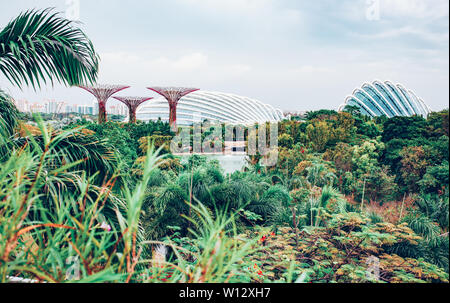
pixel 292 54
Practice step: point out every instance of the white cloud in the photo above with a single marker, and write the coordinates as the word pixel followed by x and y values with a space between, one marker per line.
pixel 415 8
pixel 435 37
pixel 132 65
pixel 258 12
pixel 310 69
pixel 238 68
pixel 143 68
pixel 291 54
pixel 243 6
pixel 189 62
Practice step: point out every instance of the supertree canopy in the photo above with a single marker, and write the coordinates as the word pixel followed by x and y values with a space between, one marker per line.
pixel 132 103
pixel 173 95
pixel 103 93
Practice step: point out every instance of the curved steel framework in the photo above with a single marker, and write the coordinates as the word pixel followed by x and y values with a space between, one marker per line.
pixel 132 103
pixel 212 106
pixel 103 93
pixel 173 95
pixel 386 99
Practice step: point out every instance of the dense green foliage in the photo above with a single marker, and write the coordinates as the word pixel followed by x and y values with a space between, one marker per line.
pixel 125 138
pixel 8 114
pixel 324 213
pixel 350 199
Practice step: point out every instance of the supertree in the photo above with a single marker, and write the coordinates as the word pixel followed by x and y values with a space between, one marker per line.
pixel 132 103
pixel 173 95
pixel 103 93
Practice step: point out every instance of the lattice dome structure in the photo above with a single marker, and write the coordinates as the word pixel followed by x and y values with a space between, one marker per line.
pixel 388 99
pixel 213 106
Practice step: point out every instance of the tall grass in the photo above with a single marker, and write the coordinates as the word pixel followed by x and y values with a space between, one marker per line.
pixel 53 225
pixel 57 225
pixel 217 255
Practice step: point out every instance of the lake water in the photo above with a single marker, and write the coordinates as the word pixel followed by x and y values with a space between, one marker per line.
pixel 230 163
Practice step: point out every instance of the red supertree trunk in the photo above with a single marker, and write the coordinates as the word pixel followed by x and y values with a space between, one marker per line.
pixel 132 111
pixel 103 93
pixel 173 95
pixel 102 117
pixel 173 116
pixel 132 103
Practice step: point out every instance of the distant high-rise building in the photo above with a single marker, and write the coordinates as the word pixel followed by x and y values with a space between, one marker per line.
pixel 295 114
pixel 103 93
pixel 36 108
pixel 118 109
pixel 54 107
pixel 85 110
pixel 74 108
pixel 95 106
pixel 22 105
pixel 68 109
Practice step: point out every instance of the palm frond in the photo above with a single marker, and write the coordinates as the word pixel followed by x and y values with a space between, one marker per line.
pixel 329 193
pixel 83 150
pixel 8 114
pixel 38 46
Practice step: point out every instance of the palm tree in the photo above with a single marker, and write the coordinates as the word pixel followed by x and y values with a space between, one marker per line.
pixel 319 175
pixel 38 46
pixel 8 115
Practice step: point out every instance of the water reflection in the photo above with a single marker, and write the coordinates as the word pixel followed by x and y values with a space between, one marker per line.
pixel 230 163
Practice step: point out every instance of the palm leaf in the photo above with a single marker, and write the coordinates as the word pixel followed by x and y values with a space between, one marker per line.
pixel 38 46
pixel 8 115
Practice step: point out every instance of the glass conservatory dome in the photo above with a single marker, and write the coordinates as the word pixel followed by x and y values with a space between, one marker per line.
pixel 385 98
pixel 211 106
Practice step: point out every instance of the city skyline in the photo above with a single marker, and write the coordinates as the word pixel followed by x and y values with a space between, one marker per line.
pixel 58 106
pixel 293 55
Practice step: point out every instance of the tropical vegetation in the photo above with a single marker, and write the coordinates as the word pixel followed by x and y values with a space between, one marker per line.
pixel 351 199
